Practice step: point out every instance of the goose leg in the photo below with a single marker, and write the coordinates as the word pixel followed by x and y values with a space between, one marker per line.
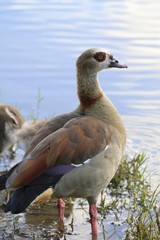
pixel 61 207
pixel 93 217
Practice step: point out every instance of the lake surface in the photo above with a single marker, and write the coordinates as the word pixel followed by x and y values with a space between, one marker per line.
pixel 40 41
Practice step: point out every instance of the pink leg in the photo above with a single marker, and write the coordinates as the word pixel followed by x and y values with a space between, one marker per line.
pixel 61 207
pixel 93 216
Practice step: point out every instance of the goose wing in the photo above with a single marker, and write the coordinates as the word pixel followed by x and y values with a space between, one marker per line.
pixel 78 140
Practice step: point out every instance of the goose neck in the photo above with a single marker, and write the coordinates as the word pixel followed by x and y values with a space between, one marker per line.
pixel 89 90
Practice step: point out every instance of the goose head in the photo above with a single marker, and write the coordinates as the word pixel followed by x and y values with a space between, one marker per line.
pixel 88 65
pixel 10 121
pixel 97 59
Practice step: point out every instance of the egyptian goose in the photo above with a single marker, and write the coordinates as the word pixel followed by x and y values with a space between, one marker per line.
pixel 57 156
pixel 14 129
pixel 10 122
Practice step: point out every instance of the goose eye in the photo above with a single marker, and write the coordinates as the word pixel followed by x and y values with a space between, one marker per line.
pixel 100 56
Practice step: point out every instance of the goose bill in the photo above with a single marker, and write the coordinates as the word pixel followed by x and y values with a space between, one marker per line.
pixel 115 64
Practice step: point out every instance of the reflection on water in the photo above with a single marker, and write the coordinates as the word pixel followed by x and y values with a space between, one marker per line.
pixel 39 44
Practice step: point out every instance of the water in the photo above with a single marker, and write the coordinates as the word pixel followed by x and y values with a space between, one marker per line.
pixel 40 41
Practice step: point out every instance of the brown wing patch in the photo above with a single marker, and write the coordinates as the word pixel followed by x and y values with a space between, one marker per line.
pixel 26 171
pixel 80 139
pixel 50 127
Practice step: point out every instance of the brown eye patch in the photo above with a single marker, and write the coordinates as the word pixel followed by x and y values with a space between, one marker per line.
pixel 100 56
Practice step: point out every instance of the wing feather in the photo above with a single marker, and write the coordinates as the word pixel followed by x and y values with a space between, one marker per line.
pixel 78 140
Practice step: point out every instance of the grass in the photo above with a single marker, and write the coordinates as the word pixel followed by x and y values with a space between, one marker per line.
pixel 131 194
pixel 35 113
